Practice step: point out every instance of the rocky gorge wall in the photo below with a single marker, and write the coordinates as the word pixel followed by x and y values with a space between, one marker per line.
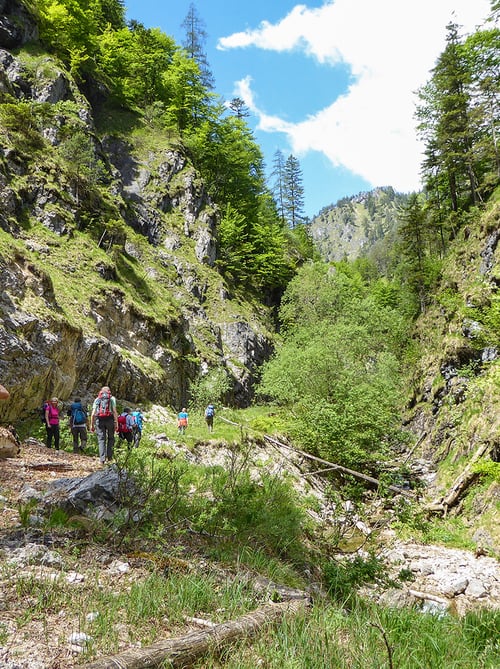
pixel 109 278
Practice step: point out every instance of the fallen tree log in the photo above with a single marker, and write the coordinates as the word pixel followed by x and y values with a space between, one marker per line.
pixel 332 466
pixel 460 485
pixel 183 651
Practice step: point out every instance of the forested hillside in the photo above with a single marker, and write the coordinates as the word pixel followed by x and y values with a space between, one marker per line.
pixel 137 234
pixel 361 225
pixel 342 509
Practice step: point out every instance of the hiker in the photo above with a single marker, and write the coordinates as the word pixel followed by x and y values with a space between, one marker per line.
pixel 182 421
pixel 209 417
pixel 137 426
pixel 125 426
pixel 52 422
pixel 4 393
pixel 104 421
pixel 78 423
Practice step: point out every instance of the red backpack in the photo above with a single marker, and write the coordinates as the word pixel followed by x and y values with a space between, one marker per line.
pixel 122 423
pixel 104 404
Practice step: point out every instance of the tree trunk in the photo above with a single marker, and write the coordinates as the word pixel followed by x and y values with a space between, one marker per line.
pixel 183 651
pixel 465 479
pixel 332 466
pixel 460 485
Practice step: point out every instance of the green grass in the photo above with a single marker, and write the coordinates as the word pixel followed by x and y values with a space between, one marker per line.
pixel 328 638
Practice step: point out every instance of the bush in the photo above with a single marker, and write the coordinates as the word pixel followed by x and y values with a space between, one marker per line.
pixel 343 578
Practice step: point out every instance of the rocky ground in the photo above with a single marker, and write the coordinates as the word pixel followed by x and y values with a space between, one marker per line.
pixel 434 578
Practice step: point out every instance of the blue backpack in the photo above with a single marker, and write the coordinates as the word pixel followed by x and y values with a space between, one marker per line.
pixel 79 414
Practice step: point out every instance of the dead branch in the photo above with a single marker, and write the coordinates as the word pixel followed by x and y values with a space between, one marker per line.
pixel 460 485
pixel 386 641
pixel 345 470
pixel 426 595
pixel 184 651
pixel 415 446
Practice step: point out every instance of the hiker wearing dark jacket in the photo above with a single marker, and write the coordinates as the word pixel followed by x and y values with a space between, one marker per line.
pixel 52 422
pixel 78 423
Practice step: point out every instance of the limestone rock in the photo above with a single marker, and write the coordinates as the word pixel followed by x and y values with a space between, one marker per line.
pixel 9 445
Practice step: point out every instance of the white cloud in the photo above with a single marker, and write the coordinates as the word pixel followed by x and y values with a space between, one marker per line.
pixel 390 47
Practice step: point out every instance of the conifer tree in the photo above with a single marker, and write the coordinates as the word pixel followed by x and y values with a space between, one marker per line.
pixel 239 108
pixel 458 121
pixel 194 43
pixel 278 187
pixel 293 192
pixel 414 234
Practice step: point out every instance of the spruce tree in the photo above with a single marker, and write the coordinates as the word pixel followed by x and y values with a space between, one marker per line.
pixel 278 187
pixel 194 43
pixel 293 192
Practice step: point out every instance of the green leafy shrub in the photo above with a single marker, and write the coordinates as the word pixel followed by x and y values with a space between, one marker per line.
pixel 488 470
pixel 343 578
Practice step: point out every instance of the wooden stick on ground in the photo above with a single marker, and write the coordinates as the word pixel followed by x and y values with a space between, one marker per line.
pixel 183 651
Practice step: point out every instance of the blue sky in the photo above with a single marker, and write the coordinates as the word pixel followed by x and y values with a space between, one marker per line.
pixel 332 82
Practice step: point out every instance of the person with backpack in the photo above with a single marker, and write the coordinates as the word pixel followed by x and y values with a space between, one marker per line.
pixel 137 426
pixel 78 423
pixel 125 426
pixel 182 421
pixel 104 422
pixel 209 417
pixel 52 422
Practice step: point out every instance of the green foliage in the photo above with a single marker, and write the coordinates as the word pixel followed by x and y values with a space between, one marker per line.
pixel 169 88
pixel 25 510
pixel 293 192
pixel 338 367
pixel 224 502
pixel 328 637
pixel 458 120
pixel 241 508
pixel 20 128
pixel 210 388
pixel 488 470
pixel 343 577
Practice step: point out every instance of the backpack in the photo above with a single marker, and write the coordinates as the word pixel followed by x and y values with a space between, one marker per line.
pixel 79 415
pixel 43 409
pixel 138 420
pixel 209 411
pixel 104 404
pixel 131 422
pixel 122 423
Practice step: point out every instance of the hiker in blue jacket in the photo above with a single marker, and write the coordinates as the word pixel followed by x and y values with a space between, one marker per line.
pixel 209 417
pixel 182 421
pixel 78 423
pixel 137 426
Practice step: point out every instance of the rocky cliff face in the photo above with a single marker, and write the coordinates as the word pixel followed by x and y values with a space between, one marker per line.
pixel 455 400
pixel 108 248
